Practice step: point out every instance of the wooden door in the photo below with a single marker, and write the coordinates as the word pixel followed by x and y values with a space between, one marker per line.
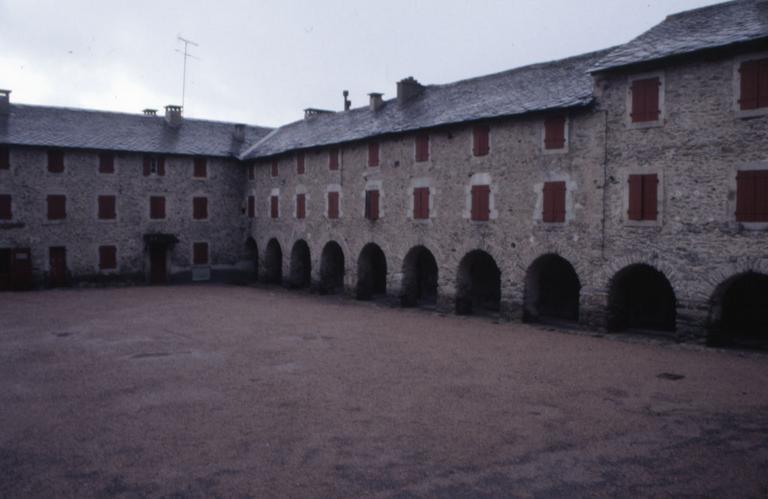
pixel 57 276
pixel 21 268
pixel 157 267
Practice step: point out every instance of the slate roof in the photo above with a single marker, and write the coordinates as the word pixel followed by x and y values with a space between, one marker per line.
pixel 102 130
pixel 551 85
pixel 691 31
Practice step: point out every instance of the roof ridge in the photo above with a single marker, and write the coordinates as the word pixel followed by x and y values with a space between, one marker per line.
pixel 684 13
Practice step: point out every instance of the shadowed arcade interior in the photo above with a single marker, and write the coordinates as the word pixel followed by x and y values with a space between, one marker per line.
pixel 371 272
pixel 551 290
pixel 301 265
pixel 252 256
pixel 331 268
pixel 641 297
pixel 478 286
pixel 273 263
pixel 419 278
pixel 739 313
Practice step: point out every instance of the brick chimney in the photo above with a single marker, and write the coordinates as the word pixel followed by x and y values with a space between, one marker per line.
pixel 5 102
pixel 376 101
pixel 173 115
pixel 407 89
pixel 149 112
pixel 239 132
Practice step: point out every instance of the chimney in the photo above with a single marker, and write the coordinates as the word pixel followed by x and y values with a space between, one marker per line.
pixel 239 132
pixel 149 112
pixel 407 89
pixel 173 115
pixel 5 102
pixel 347 102
pixel 376 101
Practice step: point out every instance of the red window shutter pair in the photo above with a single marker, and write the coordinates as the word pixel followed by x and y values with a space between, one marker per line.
pixel 107 209
pixel 752 196
pixel 372 205
pixel 645 100
pixel 274 206
pixel 154 164
pixel 107 257
pixel 301 206
pixel 199 208
pixel 5 157
pixel 333 205
pixel 200 167
pixel 55 161
pixel 300 163
pixel 57 207
pixel 200 253
pixel 643 197
pixel 554 132
pixel 422 147
pixel 106 163
pixel 373 154
pixel 481 195
pixel 5 207
pixel 275 169
pixel 481 140
pixel 421 203
pixel 251 207
pixel 554 202
pixel 754 84
pixel 333 159
pixel 156 207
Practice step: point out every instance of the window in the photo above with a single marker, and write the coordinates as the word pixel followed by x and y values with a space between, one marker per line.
pixel 554 132
pixel 275 169
pixel 642 196
pixel 5 207
pixel 107 209
pixel 301 206
pixel 200 167
pixel 421 203
pixel 106 163
pixel 645 100
pixel 200 208
pixel 5 157
pixel 372 204
pixel 333 159
pixel 422 147
pixel 554 202
pixel 300 163
pixel 55 161
pixel 251 206
pixel 481 195
pixel 199 253
pixel 333 205
pixel 154 165
pixel 481 140
pixel 754 84
pixel 373 154
pixel 752 196
pixel 107 257
pixel 157 207
pixel 57 207
pixel 274 206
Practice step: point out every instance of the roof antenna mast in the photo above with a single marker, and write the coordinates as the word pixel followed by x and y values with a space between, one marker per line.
pixel 187 55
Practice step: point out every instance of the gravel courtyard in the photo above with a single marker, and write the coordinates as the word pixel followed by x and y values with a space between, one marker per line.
pixel 218 391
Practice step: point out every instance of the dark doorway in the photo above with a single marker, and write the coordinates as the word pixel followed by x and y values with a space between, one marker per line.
pixel 641 297
pixel 419 278
pixel 252 255
pixel 5 269
pixel 740 312
pixel 478 285
pixel 273 263
pixel 301 265
pixel 332 268
pixel 371 272
pixel 551 290
pixel 158 266
pixel 57 275
pixel 21 269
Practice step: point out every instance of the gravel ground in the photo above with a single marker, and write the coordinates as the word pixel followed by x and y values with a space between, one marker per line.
pixel 216 391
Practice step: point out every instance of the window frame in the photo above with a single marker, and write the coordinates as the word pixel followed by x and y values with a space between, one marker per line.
pixel 99 199
pixel 662 100
pixel 738 61
pixel 48 199
pixel 203 206
pixel 164 207
pixel 9 197
pixel 566 134
pixel 194 260
pixel 103 268
pixel 197 161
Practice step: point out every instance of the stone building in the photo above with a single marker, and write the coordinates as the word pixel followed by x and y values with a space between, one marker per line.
pixel 625 188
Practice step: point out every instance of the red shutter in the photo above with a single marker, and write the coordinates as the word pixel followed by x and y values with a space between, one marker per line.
pixel 57 207
pixel 199 208
pixel 421 203
pixel 161 166
pixel 750 83
pixel 548 214
pixel 5 207
pixel 274 168
pixel 422 147
pixel 650 189
pixel 300 163
pixel 200 168
pixel 333 159
pixel 480 202
pixel 301 207
pixel 274 207
pixel 372 205
pixel 635 197
pixel 147 165
pixel 373 154
pixel 107 207
pixel 156 207
pixel 251 207
pixel 55 161
pixel 752 196
pixel 645 100
pixel 333 205
pixel 559 202
pixel 106 163
pixel 5 157
pixel 761 196
pixel 200 253
pixel 107 257
pixel 481 142
pixel 554 132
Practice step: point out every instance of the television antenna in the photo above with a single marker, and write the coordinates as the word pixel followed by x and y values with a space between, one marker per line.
pixel 187 55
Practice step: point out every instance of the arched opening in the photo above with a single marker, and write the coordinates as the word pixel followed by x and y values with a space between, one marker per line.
pixel 478 285
pixel 252 257
pixel 371 272
pixel 273 263
pixel 739 314
pixel 551 290
pixel 641 297
pixel 332 268
pixel 301 265
pixel 419 278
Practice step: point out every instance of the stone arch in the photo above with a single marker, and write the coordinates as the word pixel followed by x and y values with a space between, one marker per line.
pixel 252 257
pixel 738 314
pixel 420 274
pixel 301 265
pixel 552 289
pixel 371 272
pixel 609 272
pixel 273 262
pixel 641 297
pixel 478 284
pixel 331 268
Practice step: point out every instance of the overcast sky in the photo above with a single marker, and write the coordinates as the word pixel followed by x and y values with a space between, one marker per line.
pixel 262 61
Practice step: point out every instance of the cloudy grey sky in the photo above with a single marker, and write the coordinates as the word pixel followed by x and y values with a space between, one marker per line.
pixel 263 61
